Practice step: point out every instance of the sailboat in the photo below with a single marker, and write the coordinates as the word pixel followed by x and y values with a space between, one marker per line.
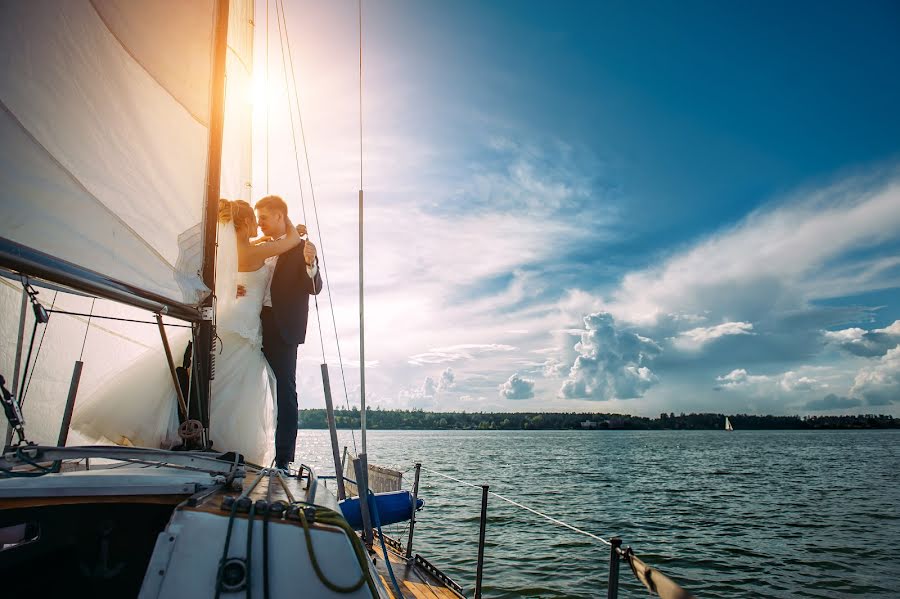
pixel 123 124
pixel 728 426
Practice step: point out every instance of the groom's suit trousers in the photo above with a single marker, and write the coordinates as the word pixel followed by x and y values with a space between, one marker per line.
pixel 282 357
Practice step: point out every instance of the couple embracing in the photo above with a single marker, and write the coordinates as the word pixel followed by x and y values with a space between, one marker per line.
pixel 263 287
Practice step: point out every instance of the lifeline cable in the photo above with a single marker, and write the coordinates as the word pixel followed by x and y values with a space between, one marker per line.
pixel 524 507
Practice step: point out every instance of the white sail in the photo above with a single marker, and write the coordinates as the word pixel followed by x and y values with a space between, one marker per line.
pixel 104 135
pixel 728 426
pixel 109 172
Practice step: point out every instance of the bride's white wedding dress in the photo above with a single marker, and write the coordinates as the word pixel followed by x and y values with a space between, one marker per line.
pixel 138 406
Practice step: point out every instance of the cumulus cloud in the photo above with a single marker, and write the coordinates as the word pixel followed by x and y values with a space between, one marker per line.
pixel 517 387
pixel 868 344
pixel 792 381
pixel 739 377
pixel 429 388
pixel 554 368
pixel 447 381
pixel 612 363
pixel 832 402
pixel 879 384
pixel 696 338
pixel 788 382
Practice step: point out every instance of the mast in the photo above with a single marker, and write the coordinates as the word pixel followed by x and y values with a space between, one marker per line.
pixel 205 354
pixel 362 328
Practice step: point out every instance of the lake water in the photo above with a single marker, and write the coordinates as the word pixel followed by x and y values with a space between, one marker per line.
pixel 742 514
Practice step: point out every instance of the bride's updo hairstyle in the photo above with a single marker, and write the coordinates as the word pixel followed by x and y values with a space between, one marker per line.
pixel 238 212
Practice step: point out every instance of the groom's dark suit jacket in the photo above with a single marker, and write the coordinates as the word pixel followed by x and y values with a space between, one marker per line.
pixel 291 288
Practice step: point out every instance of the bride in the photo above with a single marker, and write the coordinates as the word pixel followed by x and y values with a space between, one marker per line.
pixel 138 405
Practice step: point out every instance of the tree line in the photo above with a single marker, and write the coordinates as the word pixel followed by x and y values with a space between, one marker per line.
pixel 419 419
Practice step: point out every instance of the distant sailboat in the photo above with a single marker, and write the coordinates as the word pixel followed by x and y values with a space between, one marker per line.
pixel 728 426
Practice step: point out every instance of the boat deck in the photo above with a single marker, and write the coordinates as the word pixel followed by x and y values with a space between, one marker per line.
pixel 417 579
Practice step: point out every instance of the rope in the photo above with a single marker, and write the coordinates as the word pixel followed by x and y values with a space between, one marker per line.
pixel 315 563
pixel 224 557
pixel 312 190
pixel 524 507
pixel 250 516
pixel 41 470
pixel 373 506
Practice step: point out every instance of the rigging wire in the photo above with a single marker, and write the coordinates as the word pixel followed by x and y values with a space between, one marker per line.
pixel 281 18
pixel 38 355
pixel 87 329
pixel 286 42
pixel 116 318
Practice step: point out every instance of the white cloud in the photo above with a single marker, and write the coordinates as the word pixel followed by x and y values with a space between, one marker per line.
pixel 776 259
pixel 612 363
pixel 447 381
pixel 792 381
pixel 429 388
pixel 760 384
pixel 517 387
pixel 868 344
pixel 696 338
pixel 739 377
pixel 879 384
pixel 553 368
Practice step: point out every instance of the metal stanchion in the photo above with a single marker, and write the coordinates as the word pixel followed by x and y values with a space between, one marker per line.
pixel 412 516
pixel 479 571
pixel 332 430
pixel 613 586
pixel 361 467
pixel 70 405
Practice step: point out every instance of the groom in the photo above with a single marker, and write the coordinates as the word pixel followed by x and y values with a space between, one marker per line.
pixel 284 315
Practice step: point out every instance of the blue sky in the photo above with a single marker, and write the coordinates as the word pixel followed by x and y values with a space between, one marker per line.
pixel 636 207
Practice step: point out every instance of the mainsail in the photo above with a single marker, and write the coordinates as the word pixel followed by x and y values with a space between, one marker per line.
pixel 109 157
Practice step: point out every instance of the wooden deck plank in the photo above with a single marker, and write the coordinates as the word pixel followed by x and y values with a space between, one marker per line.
pixel 388 586
pixel 444 593
pixel 420 590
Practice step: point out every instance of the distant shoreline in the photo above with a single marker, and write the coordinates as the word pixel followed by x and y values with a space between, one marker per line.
pixel 422 420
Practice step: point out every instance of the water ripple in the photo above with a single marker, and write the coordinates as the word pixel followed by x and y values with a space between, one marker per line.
pixel 746 514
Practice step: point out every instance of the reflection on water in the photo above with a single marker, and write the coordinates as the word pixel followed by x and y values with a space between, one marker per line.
pixel 742 514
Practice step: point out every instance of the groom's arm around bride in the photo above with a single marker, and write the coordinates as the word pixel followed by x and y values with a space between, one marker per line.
pixel 284 317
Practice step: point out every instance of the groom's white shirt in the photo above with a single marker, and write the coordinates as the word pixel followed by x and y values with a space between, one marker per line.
pixel 273 261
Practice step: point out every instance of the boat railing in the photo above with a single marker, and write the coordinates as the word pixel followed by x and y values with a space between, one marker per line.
pixel 204 462
pixel 654 580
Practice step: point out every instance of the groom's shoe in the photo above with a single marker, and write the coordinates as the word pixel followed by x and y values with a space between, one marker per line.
pixel 283 466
